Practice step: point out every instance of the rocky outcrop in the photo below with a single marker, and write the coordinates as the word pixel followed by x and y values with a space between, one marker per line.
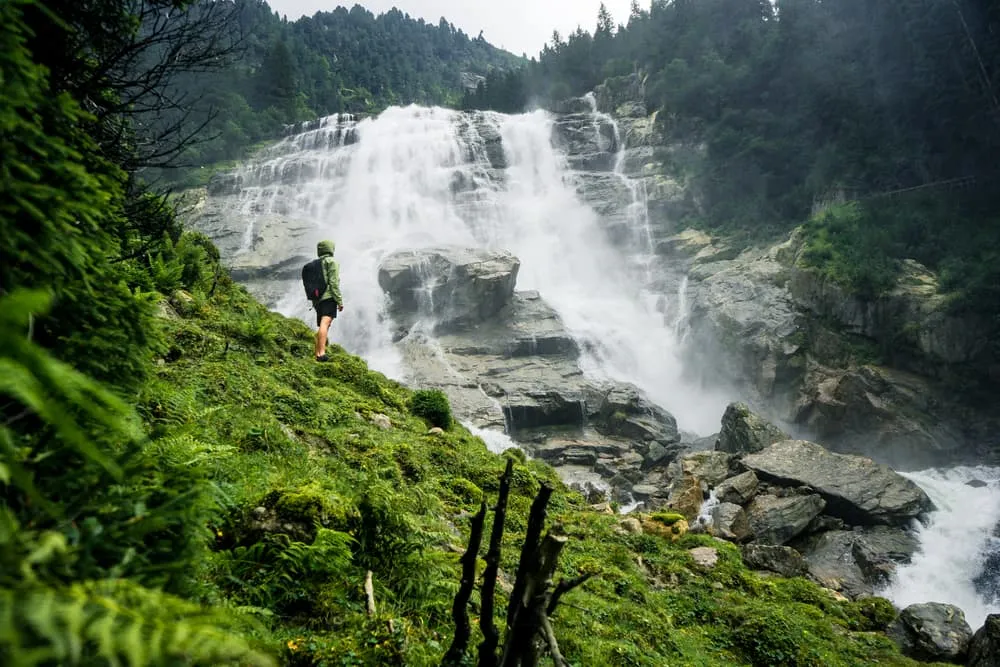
pixel 855 488
pixel 984 649
pixel 454 287
pixel 932 632
pixel 913 313
pixel 744 432
pixel 624 412
pixel 861 376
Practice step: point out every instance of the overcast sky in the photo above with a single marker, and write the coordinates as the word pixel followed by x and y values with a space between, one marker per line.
pixel 520 26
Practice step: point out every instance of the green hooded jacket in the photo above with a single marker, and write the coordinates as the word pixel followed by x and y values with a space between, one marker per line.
pixel 331 271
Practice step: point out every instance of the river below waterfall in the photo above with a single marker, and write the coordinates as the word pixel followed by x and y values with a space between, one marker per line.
pixel 418 177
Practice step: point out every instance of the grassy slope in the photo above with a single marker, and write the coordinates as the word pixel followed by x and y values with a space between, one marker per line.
pixel 239 395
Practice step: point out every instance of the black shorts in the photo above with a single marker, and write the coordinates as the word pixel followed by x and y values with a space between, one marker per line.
pixel 327 307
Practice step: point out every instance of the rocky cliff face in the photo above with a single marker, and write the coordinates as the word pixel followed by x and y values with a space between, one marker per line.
pixel 860 376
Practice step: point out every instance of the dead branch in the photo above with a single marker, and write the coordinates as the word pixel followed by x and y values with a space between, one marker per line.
pixel 565 586
pixel 491 635
pixel 459 610
pixel 529 551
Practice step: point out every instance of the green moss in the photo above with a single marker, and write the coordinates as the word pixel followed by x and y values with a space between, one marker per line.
pixel 667 518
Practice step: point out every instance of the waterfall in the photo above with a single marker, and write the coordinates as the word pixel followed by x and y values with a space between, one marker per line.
pixel 417 177
pixel 955 543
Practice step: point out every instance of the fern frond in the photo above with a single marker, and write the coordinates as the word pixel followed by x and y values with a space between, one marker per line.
pixel 121 623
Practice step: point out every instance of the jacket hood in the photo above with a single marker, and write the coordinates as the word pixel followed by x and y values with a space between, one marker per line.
pixel 325 248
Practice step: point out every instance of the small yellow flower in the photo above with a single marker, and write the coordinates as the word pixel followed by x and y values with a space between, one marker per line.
pixel 292 645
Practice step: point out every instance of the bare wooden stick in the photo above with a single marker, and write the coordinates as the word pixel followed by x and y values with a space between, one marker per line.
pixel 370 593
pixel 529 552
pixel 491 635
pixel 459 610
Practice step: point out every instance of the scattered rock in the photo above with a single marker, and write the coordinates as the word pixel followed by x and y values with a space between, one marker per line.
pixel 166 311
pixel 855 488
pixel 783 560
pixel 739 489
pixel 644 491
pixel 976 483
pixel 602 508
pixel 932 631
pixel 437 430
pixel 632 525
pixel 729 522
pixel 776 520
pixel 704 557
pixel 665 524
pixel 708 467
pixel 382 421
pixel 984 649
pixel 743 432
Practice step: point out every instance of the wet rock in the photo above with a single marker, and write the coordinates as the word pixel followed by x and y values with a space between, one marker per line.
pixel 707 466
pixel 744 432
pixel 856 562
pixel 457 286
pixel 729 522
pixel 932 631
pixel 783 560
pixel 776 520
pixel 739 489
pixel 984 649
pixel 686 497
pixel 855 488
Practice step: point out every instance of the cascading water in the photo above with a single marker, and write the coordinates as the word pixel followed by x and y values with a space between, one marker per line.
pixel 955 545
pixel 419 177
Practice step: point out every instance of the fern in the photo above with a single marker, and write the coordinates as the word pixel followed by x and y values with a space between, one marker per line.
pixel 118 622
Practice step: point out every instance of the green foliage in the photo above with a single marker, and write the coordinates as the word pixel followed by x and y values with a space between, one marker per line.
pixel 846 249
pixel 432 405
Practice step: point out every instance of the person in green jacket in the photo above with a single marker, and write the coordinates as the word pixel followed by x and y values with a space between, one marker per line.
pixel 330 302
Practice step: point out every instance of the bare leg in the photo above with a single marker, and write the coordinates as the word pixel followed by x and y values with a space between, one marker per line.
pixel 324 328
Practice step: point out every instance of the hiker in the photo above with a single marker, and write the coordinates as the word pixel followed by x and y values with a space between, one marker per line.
pixel 321 279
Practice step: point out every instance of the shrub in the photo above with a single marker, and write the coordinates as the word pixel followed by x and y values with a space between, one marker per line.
pixel 432 405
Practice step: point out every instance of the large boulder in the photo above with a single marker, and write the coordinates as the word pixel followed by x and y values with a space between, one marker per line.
pixel 739 489
pixel 729 522
pixel 706 466
pixel 892 412
pixel 856 562
pixel 932 632
pixel 855 488
pixel 785 561
pixel 743 432
pixel 455 287
pixel 775 520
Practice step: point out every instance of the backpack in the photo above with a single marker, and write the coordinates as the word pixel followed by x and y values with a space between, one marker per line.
pixel 313 279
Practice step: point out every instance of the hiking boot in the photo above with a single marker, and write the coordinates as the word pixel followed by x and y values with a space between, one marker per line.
pixel 323 358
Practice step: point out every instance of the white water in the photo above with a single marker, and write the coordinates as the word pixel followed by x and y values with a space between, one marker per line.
pixel 393 190
pixel 953 544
